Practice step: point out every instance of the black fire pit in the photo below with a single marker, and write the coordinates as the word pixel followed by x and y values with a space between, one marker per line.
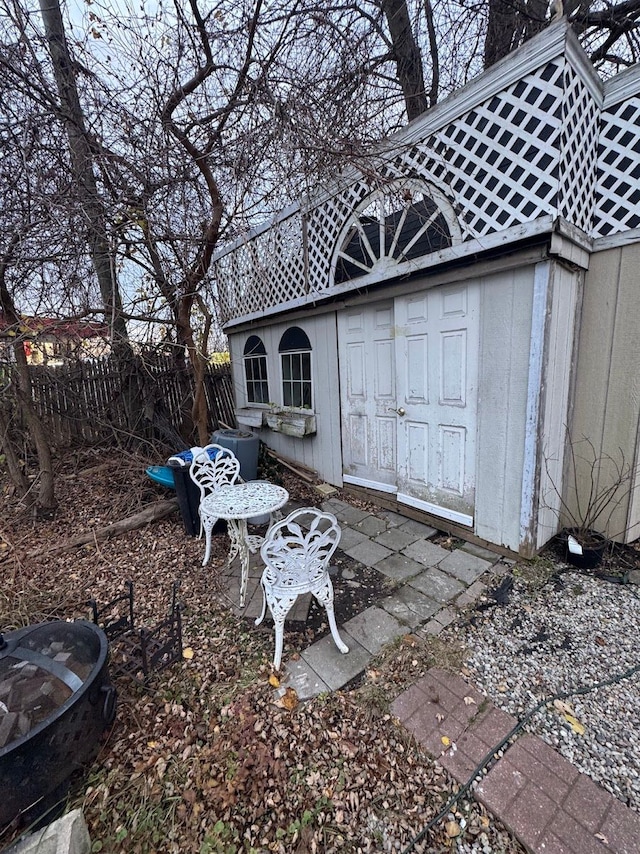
pixel 55 702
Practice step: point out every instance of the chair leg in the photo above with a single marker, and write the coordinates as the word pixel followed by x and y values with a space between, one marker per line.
pixel 277 658
pixel 325 597
pixel 264 606
pixel 334 629
pixel 279 608
pixel 207 524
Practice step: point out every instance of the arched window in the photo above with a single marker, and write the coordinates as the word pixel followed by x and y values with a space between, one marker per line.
pixel 255 370
pixel 405 221
pixel 295 356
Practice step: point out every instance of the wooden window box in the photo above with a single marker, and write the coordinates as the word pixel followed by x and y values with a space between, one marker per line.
pixel 249 417
pixel 290 423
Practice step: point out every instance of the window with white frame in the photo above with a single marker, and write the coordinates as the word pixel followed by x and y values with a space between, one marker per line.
pixel 255 370
pixel 295 359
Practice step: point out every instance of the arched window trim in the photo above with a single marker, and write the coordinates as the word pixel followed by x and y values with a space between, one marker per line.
pixel 296 370
pixel 255 371
pixel 384 260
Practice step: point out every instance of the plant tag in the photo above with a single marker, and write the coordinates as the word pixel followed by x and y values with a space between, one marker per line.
pixel 574 546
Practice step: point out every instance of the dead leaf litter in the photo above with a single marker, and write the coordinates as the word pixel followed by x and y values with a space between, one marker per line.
pixel 203 759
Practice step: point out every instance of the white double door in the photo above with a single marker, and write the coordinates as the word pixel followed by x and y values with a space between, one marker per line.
pixel 409 398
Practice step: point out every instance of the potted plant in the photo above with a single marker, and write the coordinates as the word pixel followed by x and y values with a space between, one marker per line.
pixel 597 484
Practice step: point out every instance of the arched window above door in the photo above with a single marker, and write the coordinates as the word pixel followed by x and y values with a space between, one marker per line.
pixel 396 224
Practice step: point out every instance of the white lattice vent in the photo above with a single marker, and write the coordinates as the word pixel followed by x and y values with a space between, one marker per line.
pixel 618 190
pixel 578 163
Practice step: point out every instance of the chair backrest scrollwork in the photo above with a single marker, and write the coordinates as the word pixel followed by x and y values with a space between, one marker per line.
pixel 210 473
pixel 297 550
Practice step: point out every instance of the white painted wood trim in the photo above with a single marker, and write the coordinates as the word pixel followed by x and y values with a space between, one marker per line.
pixel 622 86
pixel 613 241
pixel 370 484
pixel 575 54
pixel 566 249
pixel 534 390
pixel 469 249
pixel 436 510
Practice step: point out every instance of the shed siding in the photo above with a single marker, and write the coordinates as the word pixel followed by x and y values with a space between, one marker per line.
pixel 556 383
pixel 506 307
pixel 607 399
pixel 321 451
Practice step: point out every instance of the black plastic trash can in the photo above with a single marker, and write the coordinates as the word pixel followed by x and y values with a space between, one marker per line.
pixel 188 494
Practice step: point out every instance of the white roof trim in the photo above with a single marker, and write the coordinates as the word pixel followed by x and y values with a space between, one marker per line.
pixel 621 87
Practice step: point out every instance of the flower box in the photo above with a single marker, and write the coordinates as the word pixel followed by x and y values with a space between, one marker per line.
pixel 290 423
pixel 249 417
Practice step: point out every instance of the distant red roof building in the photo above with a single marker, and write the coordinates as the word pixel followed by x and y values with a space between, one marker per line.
pixel 52 341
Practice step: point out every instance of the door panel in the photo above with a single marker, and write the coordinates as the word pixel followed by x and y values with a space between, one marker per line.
pixel 436 437
pixel 366 345
pixel 409 400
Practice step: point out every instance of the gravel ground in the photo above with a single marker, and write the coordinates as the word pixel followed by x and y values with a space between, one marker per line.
pixel 567 636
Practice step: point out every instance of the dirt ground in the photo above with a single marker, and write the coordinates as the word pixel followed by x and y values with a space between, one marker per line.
pixel 201 758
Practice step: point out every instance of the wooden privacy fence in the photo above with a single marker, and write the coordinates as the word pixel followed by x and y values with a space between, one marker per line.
pixel 103 401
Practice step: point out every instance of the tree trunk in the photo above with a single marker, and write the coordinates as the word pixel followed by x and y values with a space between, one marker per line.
pixel 82 163
pixel 432 94
pixel 502 27
pixel 46 501
pixel 8 448
pixel 511 23
pixel 406 54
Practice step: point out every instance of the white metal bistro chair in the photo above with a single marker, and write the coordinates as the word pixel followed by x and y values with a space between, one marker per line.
pixel 296 553
pixel 208 475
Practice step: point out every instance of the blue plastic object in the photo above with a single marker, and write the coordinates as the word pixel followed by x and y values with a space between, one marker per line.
pixel 162 475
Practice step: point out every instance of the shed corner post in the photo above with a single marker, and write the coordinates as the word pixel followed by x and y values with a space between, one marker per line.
pixel 535 410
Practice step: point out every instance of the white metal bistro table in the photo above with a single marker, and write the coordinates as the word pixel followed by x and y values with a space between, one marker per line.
pixel 236 503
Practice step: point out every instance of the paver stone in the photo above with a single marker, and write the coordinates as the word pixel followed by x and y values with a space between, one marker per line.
pixel 374 628
pixel 464 566
pixel 437 585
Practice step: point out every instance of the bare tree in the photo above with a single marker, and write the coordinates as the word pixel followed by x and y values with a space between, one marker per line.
pixel 407 57
pixel 72 114
pixel 187 126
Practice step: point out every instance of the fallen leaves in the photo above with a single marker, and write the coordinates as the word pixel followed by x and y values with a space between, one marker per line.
pixel 568 713
pixel 288 701
pixel 576 726
pixel 205 760
pixel 452 829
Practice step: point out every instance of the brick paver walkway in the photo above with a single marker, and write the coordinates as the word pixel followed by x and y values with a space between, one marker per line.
pixel 544 800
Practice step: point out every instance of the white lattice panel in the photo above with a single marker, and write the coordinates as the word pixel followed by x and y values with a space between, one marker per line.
pixel 497 164
pixel 578 162
pixel 263 271
pixel 618 189
pixel 500 159
pixel 528 151
pixel 324 225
